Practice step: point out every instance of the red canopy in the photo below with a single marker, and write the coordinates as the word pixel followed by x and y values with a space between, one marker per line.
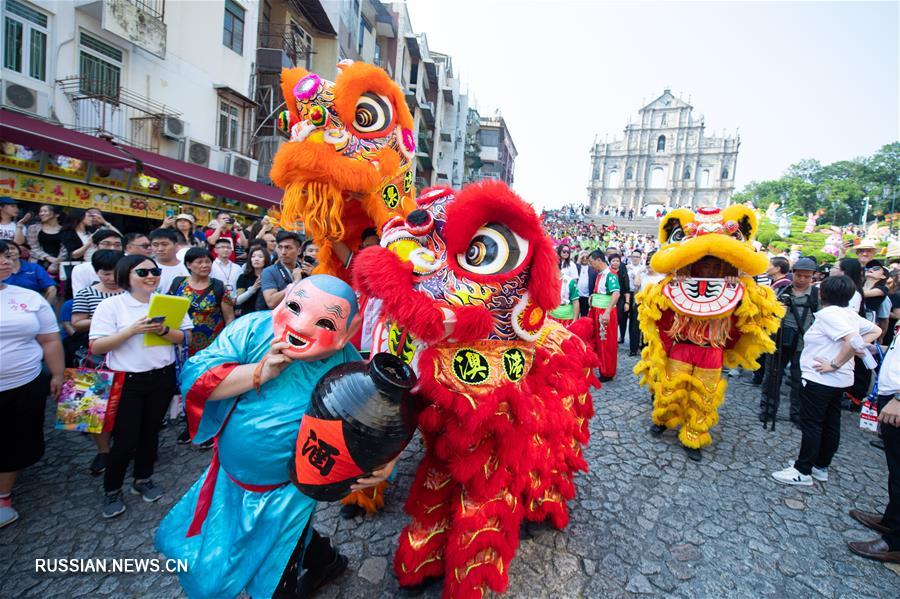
pixel 40 135
pixel 205 179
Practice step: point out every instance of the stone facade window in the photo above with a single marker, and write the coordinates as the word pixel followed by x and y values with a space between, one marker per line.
pixel 629 174
pixel 687 173
pixel 725 173
pixel 661 143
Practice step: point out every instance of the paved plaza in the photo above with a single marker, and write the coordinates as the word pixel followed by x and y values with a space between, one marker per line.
pixel 646 520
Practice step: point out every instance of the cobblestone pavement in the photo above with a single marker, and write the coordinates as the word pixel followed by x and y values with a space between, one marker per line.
pixel 646 520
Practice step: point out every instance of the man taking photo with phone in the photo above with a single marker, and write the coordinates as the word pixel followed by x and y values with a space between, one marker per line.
pixel 225 226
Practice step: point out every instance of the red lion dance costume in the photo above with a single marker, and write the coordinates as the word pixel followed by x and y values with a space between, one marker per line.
pixel 466 282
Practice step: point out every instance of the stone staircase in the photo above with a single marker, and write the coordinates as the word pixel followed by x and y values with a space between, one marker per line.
pixel 646 225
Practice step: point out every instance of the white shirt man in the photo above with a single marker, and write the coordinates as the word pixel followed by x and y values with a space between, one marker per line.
pixel 163 242
pixel 223 268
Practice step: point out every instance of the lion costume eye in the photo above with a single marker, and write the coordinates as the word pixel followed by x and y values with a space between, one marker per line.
pixel 676 235
pixel 493 250
pixel 374 113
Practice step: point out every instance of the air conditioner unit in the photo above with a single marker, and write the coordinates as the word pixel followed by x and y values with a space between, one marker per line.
pixel 240 166
pixel 197 153
pixel 272 60
pixel 24 99
pixel 173 128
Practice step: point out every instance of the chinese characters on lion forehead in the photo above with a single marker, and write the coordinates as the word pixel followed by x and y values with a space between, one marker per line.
pixel 706 312
pixel 347 165
pixel 466 281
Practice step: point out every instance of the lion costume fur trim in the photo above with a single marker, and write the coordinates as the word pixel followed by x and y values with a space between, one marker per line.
pixel 466 504
pixel 684 399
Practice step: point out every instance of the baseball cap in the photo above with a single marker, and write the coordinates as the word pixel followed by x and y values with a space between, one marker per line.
pixel 6 200
pixel 805 264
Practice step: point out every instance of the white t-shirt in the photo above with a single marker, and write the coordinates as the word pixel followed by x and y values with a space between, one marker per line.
pixel 889 374
pixel 855 302
pixel 83 276
pixel 121 311
pixel 228 273
pixel 8 231
pixel 824 340
pixel 23 315
pixel 169 274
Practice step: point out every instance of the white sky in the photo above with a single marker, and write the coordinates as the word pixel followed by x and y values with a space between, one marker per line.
pixel 797 79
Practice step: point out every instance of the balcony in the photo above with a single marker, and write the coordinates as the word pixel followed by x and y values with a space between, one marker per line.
pixel 141 22
pixel 427 108
pixel 104 109
pixel 287 39
pixel 423 145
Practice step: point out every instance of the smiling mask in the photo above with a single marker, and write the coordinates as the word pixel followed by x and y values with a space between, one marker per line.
pixel 317 317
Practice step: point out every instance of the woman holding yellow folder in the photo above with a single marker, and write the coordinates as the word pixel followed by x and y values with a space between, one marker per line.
pixel 117 330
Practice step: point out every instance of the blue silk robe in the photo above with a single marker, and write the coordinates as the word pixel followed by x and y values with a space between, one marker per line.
pixel 247 537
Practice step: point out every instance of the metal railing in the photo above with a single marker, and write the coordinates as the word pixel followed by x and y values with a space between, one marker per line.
pixel 104 109
pixel 285 37
pixel 152 8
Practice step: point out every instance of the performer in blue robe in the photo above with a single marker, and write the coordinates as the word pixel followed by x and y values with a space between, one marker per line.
pixel 239 527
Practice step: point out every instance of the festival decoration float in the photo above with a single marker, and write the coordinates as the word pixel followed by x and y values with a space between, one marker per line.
pixel 706 312
pixel 466 282
pixel 347 165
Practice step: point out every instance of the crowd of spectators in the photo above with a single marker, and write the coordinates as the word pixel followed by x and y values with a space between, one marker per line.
pixel 75 292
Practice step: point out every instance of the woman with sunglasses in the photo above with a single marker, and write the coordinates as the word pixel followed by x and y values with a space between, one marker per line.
pixel 117 329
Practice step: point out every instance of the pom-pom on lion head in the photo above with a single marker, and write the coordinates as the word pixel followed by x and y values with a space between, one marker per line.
pixel 347 164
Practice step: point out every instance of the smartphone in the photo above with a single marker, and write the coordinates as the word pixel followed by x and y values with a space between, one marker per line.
pixel 310 260
pixel 158 319
pixel 170 212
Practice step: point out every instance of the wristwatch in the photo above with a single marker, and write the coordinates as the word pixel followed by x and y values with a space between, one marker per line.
pixel 165 330
pixel 834 366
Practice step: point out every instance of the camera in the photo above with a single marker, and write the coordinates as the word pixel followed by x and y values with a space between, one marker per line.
pixel 310 260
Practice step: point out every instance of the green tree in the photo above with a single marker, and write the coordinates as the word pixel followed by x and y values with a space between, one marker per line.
pixel 806 170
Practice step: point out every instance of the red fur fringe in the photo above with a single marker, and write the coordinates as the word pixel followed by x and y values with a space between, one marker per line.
pixel 523 439
pixel 378 272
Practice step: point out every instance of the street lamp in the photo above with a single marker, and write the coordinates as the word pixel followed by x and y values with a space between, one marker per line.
pixel 884 193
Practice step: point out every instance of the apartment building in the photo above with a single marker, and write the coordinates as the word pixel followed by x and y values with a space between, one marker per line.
pixel 166 86
pixel 496 152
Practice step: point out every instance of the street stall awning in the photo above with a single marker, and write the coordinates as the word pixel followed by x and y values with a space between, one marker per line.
pixel 40 135
pixel 35 133
pixel 205 179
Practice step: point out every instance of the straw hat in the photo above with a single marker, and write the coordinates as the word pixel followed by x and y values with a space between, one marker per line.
pixel 867 244
pixel 893 249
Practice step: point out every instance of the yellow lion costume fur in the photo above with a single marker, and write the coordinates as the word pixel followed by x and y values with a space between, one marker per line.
pixel 707 312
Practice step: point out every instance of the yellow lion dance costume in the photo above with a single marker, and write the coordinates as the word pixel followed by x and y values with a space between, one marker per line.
pixel 706 312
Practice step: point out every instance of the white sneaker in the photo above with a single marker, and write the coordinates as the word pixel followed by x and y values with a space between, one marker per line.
pixel 8 514
pixel 820 474
pixel 792 476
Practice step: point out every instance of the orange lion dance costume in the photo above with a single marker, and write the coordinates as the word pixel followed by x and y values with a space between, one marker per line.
pixel 466 282
pixel 347 164
pixel 706 312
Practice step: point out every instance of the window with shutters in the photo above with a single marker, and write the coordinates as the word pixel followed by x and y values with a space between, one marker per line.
pixel 25 33
pixel 99 67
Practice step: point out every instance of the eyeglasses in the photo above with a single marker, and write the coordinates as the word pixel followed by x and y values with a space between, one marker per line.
pixel 148 272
